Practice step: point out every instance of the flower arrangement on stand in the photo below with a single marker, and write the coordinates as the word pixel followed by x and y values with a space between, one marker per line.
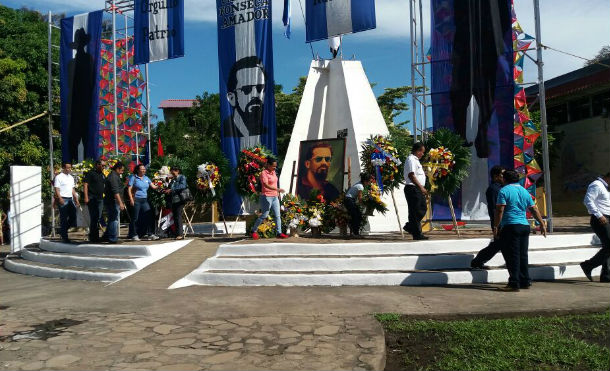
pixel 251 163
pixel 293 217
pixel 160 179
pixel 446 163
pixel 208 181
pixel 380 161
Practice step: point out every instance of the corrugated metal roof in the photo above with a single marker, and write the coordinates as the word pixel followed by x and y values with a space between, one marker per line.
pixel 177 103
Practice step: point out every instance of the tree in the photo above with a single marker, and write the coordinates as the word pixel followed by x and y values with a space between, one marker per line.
pixel 23 93
pixel 604 53
pixel 286 109
pixel 392 105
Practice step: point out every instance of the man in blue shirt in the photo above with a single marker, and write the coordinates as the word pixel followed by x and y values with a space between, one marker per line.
pixel 491 195
pixel 513 229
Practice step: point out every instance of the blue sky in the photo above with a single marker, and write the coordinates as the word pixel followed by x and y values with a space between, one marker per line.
pixel 578 27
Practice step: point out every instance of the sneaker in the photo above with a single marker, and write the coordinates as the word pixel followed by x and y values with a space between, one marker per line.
pixel 255 236
pixel 152 237
pixel 135 238
pixel 508 288
pixel 282 235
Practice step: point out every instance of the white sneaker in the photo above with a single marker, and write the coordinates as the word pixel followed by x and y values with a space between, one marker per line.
pixel 135 238
pixel 152 237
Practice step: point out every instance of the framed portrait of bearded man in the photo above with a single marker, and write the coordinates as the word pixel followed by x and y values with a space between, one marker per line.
pixel 321 168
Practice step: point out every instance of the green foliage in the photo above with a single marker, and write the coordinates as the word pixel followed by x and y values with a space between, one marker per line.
pixel 554 138
pixel 449 184
pixel 604 53
pixel 392 104
pixel 23 94
pixel 573 342
pixel 286 109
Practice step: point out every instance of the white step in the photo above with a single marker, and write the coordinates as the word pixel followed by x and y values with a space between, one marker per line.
pixel 375 279
pixel 17 265
pixel 393 248
pixel 95 249
pixel 369 263
pixel 85 261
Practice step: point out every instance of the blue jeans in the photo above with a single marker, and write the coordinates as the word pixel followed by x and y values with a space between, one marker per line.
pixel 140 218
pixel 112 230
pixel 95 206
pixel 269 203
pixel 67 217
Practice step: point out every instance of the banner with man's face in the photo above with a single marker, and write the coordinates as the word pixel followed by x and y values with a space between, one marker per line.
pixel 247 102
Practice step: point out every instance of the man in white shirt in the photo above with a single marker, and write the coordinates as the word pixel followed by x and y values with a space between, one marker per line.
pixel 66 199
pixel 597 201
pixel 415 193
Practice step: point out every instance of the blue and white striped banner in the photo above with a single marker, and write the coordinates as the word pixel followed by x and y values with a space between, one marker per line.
pixel 247 101
pixel 158 30
pixel 327 18
pixel 79 81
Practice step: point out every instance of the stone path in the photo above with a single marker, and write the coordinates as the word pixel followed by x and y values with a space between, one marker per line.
pixel 61 339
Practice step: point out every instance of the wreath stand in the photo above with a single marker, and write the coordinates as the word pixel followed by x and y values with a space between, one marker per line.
pixel 427 224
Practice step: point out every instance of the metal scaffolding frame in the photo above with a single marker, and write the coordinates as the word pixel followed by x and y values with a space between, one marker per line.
pixel 420 105
pixel 113 7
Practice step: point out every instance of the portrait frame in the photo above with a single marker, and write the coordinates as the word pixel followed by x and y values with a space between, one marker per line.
pixel 336 169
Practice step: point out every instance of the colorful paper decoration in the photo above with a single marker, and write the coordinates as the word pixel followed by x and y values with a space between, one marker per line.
pixel 525 132
pixel 130 90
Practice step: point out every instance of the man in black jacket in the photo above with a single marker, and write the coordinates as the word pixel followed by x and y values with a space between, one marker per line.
pixel 491 195
pixel 93 189
pixel 114 202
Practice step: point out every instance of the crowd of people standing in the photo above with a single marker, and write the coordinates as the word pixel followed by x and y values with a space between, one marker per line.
pixel 110 193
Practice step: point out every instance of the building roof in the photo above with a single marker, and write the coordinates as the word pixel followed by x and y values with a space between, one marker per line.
pixel 177 103
pixel 589 77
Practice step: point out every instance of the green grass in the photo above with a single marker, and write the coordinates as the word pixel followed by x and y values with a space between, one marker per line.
pixel 571 342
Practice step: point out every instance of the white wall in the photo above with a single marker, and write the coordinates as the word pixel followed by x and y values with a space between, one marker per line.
pixel 26 206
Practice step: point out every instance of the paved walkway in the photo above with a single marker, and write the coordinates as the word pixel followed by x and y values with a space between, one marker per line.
pixel 138 324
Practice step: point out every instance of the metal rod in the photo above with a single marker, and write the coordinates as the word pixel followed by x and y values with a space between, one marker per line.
pixel 545 138
pixel 50 109
pixel 126 53
pixel 423 68
pixel 116 129
pixel 412 31
pixel 148 109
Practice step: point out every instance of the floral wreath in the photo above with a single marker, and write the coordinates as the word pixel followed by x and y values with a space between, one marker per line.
pixel 208 178
pixel 380 161
pixel 252 161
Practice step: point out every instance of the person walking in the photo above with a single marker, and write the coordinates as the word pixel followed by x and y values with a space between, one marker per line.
pixel 415 191
pixel 141 218
pixel 67 200
pixel 485 255
pixel 512 228
pixel 113 202
pixel 597 201
pixel 93 191
pixel 177 185
pixel 269 199
pixel 353 197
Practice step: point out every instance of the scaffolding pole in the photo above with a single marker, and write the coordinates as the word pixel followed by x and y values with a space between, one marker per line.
pixel 545 138
pixel 114 60
pixel 50 114
pixel 419 104
pixel 148 109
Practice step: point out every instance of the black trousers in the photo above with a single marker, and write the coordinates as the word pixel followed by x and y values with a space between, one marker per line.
pixel 355 215
pixel 487 253
pixel 514 239
pixel 416 202
pixel 603 256
pixel 67 216
pixel 177 213
pixel 95 206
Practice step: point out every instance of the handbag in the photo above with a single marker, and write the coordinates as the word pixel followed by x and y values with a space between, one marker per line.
pixel 185 195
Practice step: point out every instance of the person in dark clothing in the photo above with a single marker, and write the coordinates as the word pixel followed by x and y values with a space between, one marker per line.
pixel 114 203
pixel 491 195
pixel 480 28
pixel 597 201
pixel 512 228
pixel 93 189
pixel 415 191
pixel 353 196
pixel 176 186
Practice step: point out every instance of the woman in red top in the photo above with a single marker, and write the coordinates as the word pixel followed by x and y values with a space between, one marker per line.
pixel 269 199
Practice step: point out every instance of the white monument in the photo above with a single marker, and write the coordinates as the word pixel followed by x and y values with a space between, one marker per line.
pixel 26 206
pixel 338 96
